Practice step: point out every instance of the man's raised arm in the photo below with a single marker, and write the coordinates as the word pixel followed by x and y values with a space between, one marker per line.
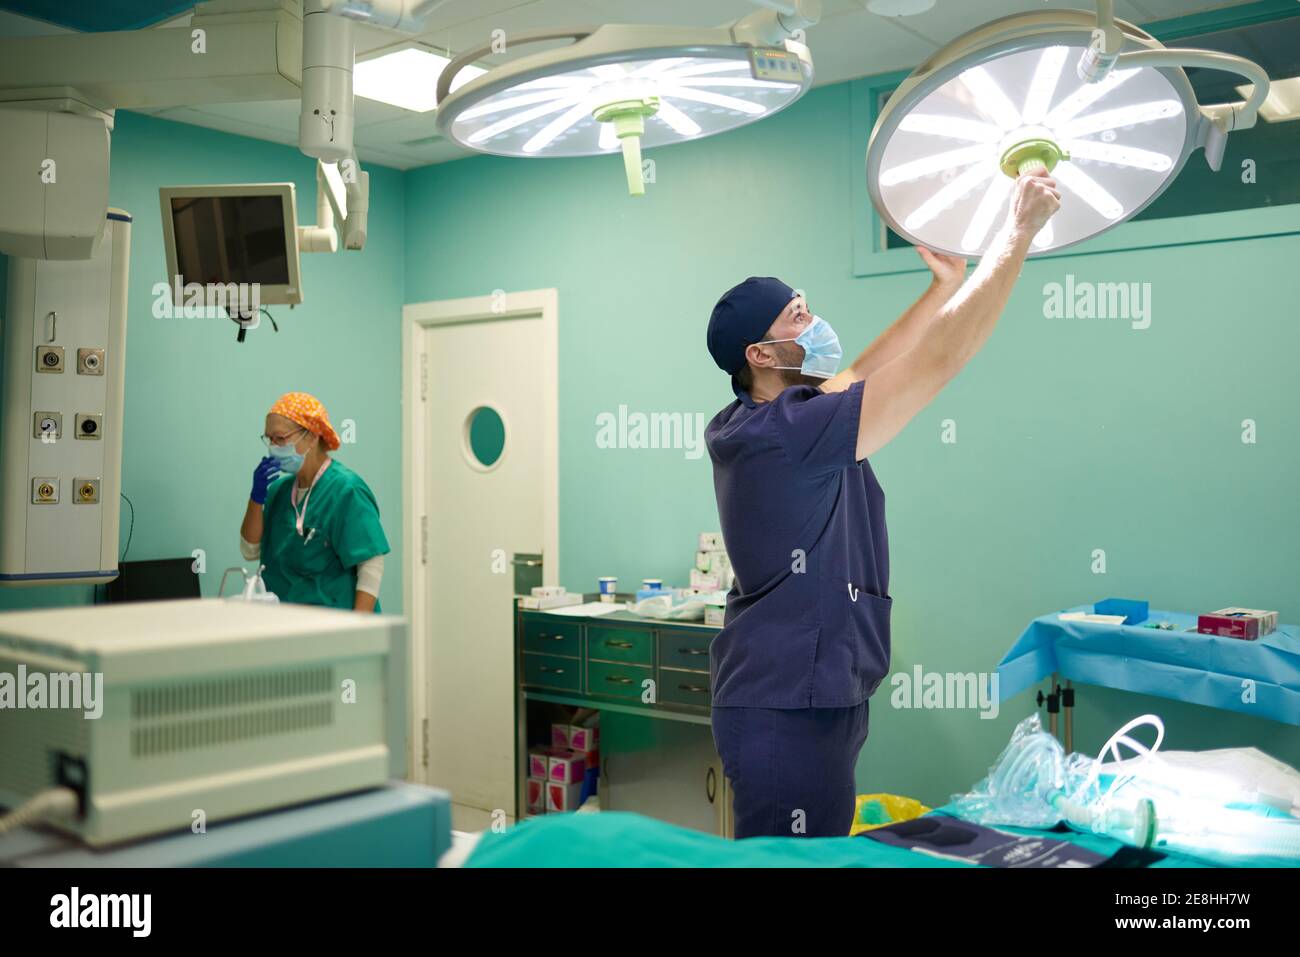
pixel 902 387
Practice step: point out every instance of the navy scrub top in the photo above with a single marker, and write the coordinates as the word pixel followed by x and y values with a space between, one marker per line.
pixel 807 620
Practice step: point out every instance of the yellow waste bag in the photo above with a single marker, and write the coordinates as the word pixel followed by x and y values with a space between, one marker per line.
pixel 877 810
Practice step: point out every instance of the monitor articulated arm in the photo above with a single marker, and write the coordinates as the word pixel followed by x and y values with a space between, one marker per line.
pixel 231 52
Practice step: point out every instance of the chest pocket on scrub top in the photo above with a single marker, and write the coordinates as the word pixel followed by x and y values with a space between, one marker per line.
pixel 310 555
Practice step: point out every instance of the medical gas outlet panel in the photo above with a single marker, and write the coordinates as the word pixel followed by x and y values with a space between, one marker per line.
pixel 61 414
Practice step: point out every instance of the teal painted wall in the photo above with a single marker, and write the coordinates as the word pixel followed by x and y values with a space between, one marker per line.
pixel 196 400
pixel 1072 435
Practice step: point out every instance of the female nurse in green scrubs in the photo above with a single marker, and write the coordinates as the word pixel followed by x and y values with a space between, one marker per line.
pixel 311 520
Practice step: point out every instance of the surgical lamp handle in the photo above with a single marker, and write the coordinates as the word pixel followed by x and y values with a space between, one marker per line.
pixel 465 59
pixel 1243 116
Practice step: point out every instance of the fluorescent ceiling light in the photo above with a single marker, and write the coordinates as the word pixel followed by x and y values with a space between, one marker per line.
pixel 1283 101
pixel 407 78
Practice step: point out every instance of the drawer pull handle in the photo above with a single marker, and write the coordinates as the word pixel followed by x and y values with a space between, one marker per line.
pixel 551 671
pixel 696 688
pixel 692 651
pixel 618 680
pixel 619 644
pixel 551 637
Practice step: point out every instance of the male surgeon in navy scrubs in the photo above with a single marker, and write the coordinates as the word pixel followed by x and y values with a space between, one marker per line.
pixel 806 636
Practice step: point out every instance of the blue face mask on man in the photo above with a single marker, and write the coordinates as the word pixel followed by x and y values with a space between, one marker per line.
pixel 821 349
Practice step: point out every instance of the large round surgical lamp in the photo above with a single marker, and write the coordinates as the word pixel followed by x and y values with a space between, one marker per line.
pixel 1096 101
pixel 624 87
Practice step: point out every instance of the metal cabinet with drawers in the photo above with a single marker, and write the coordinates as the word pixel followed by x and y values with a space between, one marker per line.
pixel 650 681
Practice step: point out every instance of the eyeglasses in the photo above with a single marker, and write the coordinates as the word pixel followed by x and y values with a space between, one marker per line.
pixel 270 440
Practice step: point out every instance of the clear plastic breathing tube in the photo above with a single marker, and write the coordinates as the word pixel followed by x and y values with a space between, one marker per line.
pixel 1147 803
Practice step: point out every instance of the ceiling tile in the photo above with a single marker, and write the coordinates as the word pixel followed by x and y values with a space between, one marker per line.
pixel 847 46
pixel 394 133
pixel 947 20
pixel 231 124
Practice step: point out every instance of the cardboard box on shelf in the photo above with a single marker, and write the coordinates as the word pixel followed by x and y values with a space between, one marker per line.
pixel 536 794
pixel 562 797
pixel 584 732
pixel 566 767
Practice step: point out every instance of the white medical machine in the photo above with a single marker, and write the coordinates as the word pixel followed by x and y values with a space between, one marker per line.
pixel 160 716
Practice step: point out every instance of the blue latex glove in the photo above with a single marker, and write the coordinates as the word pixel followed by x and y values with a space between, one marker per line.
pixel 266 471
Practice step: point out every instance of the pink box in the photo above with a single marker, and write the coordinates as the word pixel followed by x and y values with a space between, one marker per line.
pixel 566 767
pixel 560 736
pixel 585 736
pixel 537 762
pixel 536 796
pixel 562 797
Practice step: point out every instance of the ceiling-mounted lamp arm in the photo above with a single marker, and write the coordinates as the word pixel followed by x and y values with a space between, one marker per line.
pixel 1221 119
pixel 1107 42
pixel 777 22
pixel 1240 116
pixel 468 58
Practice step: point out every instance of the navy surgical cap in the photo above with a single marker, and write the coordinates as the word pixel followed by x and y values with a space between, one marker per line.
pixel 742 317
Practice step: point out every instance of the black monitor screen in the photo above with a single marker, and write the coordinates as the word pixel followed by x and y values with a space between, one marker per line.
pixel 154 580
pixel 225 239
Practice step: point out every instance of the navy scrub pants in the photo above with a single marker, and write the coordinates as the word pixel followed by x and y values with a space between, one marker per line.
pixel 791 771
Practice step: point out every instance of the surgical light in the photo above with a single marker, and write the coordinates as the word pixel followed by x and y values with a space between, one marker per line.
pixel 621 86
pixel 1095 101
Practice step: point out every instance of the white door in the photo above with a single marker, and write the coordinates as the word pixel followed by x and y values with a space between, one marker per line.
pixel 488 457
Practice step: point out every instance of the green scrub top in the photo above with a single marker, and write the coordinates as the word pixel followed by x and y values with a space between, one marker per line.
pixel 320 568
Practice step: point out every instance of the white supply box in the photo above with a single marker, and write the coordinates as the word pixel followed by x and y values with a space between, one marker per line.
pixel 206 705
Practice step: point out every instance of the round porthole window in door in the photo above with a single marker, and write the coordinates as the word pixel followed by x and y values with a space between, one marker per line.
pixel 485 437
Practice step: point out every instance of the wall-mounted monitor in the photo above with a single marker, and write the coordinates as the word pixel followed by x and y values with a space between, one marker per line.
pixel 242 236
